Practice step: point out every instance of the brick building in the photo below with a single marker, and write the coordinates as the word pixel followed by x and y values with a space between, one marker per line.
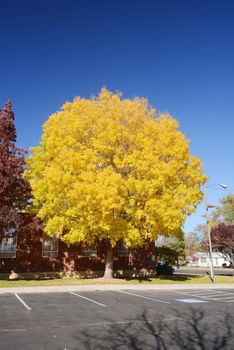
pixel 36 253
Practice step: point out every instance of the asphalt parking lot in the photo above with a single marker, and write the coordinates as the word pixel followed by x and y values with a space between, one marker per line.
pixel 124 319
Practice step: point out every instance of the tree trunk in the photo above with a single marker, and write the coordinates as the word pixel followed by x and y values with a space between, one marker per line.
pixel 109 263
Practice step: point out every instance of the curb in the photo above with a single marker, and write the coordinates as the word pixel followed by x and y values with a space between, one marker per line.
pixel 112 287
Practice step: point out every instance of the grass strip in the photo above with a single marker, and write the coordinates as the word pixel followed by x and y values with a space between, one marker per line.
pixel 72 281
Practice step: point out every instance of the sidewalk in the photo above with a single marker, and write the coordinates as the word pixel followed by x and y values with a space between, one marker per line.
pixel 112 287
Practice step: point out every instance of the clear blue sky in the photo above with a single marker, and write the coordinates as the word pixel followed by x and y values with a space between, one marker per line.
pixel 178 54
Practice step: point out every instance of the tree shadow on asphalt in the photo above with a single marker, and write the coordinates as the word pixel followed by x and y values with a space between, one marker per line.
pixel 191 330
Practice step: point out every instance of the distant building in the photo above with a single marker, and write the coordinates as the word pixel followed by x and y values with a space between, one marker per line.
pixel 203 259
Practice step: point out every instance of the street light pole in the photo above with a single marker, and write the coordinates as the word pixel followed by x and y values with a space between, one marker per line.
pixel 207 206
pixel 209 237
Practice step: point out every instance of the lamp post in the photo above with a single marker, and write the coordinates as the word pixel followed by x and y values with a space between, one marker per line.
pixel 207 206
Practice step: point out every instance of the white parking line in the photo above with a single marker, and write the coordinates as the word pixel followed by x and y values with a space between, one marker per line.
pixel 211 295
pixel 206 292
pixel 23 302
pixel 81 296
pixel 216 295
pixel 231 297
pixel 141 296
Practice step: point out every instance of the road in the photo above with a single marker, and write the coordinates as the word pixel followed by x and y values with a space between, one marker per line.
pixel 125 319
pixel 201 271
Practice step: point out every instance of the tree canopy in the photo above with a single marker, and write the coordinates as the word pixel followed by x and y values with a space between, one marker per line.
pixel 222 236
pixel 170 249
pixel 222 231
pixel 14 190
pixel 225 211
pixel 109 168
pixel 194 241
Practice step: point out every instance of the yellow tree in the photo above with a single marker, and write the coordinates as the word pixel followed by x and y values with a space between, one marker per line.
pixel 109 168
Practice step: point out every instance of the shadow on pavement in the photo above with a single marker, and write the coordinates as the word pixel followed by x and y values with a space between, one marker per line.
pixel 191 330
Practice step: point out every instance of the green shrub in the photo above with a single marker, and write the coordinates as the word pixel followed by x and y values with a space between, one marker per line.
pixel 164 269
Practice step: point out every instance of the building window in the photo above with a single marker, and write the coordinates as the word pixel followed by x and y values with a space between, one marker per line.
pixel 8 244
pixel 89 250
pixel 50 246
pixel 203 260
pixel 123 249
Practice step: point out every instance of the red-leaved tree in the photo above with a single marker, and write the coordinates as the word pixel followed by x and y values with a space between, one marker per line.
pixel 14 190
pixel 222 237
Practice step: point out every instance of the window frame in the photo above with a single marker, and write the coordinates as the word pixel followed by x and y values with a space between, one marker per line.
pixel 9 251
pixel 89 250
pixel 46 241
pixel 122 249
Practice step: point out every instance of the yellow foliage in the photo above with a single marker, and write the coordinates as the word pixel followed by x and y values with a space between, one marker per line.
pixel 111 168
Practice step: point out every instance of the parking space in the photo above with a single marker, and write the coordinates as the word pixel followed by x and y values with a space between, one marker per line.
pixel 212 295
pixel 14 312
pixel 125 319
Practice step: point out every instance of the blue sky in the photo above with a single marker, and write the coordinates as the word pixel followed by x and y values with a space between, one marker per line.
pixel 178 54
